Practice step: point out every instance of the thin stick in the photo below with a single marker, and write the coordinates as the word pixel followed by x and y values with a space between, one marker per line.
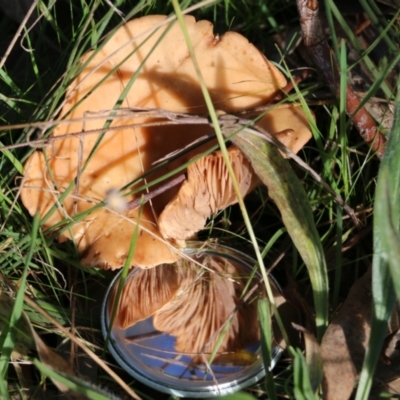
pixel 161 189
pixel 18 33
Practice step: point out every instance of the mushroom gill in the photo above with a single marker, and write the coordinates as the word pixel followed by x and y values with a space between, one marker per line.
pixel 194 304
pixel 208 189
pixel 203 305
pixel 145 292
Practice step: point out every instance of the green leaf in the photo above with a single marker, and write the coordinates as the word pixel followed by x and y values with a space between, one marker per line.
pixel 287 192
pixel 264 316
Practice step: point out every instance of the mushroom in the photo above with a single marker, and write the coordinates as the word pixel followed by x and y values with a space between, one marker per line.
pixel 196 310
pixel 77 169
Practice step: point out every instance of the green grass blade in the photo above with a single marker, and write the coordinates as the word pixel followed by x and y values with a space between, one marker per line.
pixel 264 316
pixel 74 384
pixel 386 262
pixel 302 385
pixel 238 396
pixel 8 335
pixel 221 142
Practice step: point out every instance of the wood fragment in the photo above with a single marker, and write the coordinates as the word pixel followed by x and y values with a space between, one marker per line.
pixel 324 59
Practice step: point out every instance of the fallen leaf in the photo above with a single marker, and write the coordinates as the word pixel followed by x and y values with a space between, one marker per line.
pixel 344 343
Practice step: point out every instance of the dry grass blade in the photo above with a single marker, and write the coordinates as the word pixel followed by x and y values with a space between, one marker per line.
pixel 82 346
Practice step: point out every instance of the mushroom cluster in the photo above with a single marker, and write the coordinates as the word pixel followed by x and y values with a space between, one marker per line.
pixel 146 64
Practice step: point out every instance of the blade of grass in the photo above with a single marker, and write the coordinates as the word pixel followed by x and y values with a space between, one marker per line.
pixel 302 385
pixel 386 261
pixel 7 337
pixel 342 117
pixel 222 145
pixel 75 384
pixel 354 42
pixel 264 316
pixel 124 274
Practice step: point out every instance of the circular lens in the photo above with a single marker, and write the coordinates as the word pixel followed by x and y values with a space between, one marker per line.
pixel 151 355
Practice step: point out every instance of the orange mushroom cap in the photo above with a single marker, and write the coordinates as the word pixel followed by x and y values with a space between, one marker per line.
pixel 153 58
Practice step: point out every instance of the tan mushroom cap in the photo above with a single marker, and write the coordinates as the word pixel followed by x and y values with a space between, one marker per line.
pixel 238 77
pixel 289 124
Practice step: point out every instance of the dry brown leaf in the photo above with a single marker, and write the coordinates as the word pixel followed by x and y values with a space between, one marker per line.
pixel 237 76
pixel 26 339
pixel 387 373
pixel 344 343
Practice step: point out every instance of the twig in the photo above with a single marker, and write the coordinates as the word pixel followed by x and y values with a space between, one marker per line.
pixel 324 59
pixel 161 189
pixel 18 33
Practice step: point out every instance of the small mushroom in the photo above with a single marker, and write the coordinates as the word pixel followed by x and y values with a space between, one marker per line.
pixel 161 75
pixel 209 188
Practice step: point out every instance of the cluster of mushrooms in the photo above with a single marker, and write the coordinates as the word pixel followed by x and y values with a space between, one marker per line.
pixel 147 60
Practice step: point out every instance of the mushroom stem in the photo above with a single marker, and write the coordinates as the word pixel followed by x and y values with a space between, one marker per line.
pixel 161 189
